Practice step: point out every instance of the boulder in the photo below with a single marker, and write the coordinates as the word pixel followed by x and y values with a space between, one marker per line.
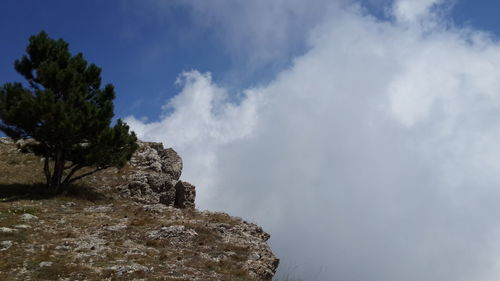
pixel 154 177
pixel 185 194
pixel 26 145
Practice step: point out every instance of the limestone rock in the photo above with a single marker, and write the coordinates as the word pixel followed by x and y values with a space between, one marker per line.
pixel 45 264
pixel 128 268
pixel 262 263
pixel 5 245
pixel 155 208
pixel 99 209
pixel 7 230
pixel 185 194
pixel 25 145
pixel 174 233
pixel 151 156
pixel 154 177
pixel 28 217
pixel 22 226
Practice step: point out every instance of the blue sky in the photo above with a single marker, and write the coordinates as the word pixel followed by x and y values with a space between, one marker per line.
pixel 142 50
pixel 140 55
pixel 362 135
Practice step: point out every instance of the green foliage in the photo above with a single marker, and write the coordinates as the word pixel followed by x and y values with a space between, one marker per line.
pixel 66 111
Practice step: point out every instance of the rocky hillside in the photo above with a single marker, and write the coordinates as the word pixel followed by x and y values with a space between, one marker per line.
pixel 137 223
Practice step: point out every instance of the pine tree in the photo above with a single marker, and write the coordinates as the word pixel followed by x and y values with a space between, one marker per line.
pixel 66 111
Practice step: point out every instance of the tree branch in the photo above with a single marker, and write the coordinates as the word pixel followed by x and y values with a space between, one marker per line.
pixel 71 173
pixel 86 174
pixel 70 166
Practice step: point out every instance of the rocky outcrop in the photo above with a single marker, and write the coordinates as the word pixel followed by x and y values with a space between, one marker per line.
pixel 99 233
pixel 154 177
pixel 185 194
pixel 261 262
pixel 127 240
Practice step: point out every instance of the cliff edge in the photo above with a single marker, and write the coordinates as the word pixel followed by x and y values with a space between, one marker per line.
pixel 136 223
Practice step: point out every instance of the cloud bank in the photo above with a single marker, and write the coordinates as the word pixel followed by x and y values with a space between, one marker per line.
pixel 374 157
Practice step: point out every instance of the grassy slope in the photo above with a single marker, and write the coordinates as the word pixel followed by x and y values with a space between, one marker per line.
pixel 107 245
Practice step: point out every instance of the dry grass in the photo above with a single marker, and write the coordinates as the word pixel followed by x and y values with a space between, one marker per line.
pixel 22 176
pixel 12 162
pixel 65 233
pixel 39 244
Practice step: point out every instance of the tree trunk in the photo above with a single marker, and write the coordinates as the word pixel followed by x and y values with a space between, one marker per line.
pixel 46 169
pixel 57 174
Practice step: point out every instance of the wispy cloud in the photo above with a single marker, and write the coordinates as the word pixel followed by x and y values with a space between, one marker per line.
pixel 414 10
pixel 374 156
pixel 252 33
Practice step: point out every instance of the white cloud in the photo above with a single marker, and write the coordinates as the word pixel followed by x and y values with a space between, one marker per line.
pixel 255 33
pixel 373 157
pixel 413 10
pixel 261 30
pixel 199 119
